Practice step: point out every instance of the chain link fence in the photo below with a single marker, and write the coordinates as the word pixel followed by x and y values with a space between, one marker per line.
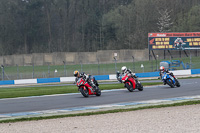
pixel 98 68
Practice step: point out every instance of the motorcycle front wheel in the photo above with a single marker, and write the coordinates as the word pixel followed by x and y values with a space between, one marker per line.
pixel 98 93
pixel 177 83
pixel 170 83
pixel 129 87
pixel 84 92
pixel 140 87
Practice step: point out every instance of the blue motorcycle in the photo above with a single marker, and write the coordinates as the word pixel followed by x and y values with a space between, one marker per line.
pixel 170 79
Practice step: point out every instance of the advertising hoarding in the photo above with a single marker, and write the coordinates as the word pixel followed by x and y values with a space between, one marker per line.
pixel 174 41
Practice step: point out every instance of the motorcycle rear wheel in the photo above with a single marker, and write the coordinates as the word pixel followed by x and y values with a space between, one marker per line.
pixel 129 87
pixel 84 92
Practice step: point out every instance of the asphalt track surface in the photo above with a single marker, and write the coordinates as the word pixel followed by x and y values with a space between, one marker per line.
pixel 189 87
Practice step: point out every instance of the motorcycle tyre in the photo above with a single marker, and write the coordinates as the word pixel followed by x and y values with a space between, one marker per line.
pixel 98 93
pixel 140 87
pixel 129 87
pixel 177 83
pixel 170 83
pixel 85 93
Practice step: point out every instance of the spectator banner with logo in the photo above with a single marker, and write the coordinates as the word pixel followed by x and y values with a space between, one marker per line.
pixel 174 41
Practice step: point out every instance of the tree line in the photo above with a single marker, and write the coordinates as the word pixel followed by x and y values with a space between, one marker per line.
pixel 45 26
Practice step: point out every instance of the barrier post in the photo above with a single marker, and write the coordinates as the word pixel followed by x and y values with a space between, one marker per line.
pixel 2 67
pixel 64 68
pixel 115 64
pixel 81 66
pixel 157 62
pixel 98 67
pixel 48 71
pixel 17 71
pixel 33 72
pixel 133 64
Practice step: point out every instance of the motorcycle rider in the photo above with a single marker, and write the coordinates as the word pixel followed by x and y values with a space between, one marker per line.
pixel 127 71
pixel 178 43
pixel 162 71
pixel 124 71
pixel 87 78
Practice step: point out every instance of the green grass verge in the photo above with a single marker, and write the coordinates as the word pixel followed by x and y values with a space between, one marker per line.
pixel 102 112
pixel 50 90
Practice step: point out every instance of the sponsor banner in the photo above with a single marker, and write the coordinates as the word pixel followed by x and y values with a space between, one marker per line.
pixel 174 41
pixel 25 81
pixel 181 72
pixel 101 77
pixel 113 76
pixel 147 74
pixel 48 80
pixel 195 71
pixel 7 82
pixel 67 79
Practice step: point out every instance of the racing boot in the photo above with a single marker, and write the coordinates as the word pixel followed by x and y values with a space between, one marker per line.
pixel 164 83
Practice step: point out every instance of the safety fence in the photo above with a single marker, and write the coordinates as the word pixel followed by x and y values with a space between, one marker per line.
pixel 97 77
pixel 151 64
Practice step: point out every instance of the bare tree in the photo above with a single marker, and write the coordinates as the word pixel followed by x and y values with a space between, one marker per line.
pixel 164 21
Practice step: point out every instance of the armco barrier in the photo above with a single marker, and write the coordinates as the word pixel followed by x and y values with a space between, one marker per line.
pixel 146 75
pixel 97 77
pixel 7 82
pixel 26 81
pixel 181 72
pixel 48 80
pixel 101 77
pixel 195 71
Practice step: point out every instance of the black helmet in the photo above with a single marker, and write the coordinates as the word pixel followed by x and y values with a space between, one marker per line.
pixel 76 73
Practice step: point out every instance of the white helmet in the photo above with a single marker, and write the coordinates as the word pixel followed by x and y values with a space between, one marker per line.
pixel 162 69
pixel 124 69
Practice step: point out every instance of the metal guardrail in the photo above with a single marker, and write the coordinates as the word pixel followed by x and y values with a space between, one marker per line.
pixel 98 77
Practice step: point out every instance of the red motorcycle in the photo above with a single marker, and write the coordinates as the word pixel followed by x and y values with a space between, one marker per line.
pixel 86 89
pixel 131 83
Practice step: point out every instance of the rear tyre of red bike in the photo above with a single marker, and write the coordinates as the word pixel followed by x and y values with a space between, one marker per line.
pixel 84 92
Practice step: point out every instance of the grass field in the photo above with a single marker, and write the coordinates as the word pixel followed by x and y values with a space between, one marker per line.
pixel 28 72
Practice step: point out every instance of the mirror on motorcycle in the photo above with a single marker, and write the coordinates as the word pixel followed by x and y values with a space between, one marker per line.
pixel 118 72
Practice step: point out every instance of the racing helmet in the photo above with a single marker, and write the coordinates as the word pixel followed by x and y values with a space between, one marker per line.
pixel 179 40
pixel 123 69
pixel 162 69
pixel 76 73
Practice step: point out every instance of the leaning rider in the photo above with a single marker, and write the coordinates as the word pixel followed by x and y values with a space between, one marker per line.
pixel 162 71
pixel 85 77
pixel 127 71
